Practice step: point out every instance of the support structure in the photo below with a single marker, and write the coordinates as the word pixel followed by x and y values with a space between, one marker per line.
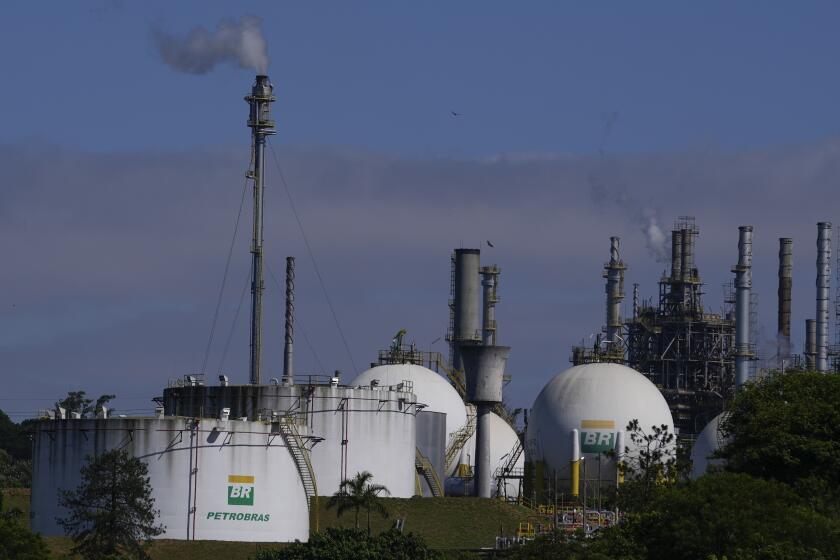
pixel 823 286
pixel 484 367
pixel 490 284
pixel 261 126
pixel 784 293
pixel 743 288
pixel 288 346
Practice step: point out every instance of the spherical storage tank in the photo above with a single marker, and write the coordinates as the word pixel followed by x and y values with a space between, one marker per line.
pixel 710 440
pixel 598 400
pixel 432 390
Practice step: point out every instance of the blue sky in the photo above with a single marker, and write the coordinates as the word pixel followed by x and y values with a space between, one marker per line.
pixel 121 177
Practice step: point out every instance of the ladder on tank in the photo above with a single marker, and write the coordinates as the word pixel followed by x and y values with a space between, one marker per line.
pixel 460 438
pixel 300 455
pixel 425 469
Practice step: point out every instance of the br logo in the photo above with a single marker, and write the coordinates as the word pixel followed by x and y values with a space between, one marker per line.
pixel 240 490
pixel 597 436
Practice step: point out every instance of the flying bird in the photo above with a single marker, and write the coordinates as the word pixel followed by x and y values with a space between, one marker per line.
pixel 454 114
pixel 490 244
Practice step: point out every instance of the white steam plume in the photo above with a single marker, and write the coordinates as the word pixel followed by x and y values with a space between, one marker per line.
pixel 655 239
pixel 240 42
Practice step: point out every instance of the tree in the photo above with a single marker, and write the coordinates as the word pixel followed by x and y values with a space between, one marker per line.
pixel 112 511
pixel 14 473
pixel 358 493
pixel 16 541
pixel 14 439
pixel 787 428
pixel 76 401
pixel 734 516
pixel 652 460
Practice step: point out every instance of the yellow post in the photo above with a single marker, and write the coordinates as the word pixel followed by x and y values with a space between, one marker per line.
pixel 575 463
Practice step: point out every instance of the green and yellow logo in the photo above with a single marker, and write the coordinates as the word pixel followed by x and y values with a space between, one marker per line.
pixel 597 436
pixel 240 490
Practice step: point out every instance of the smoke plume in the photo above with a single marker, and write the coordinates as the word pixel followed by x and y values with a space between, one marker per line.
pixel 240 42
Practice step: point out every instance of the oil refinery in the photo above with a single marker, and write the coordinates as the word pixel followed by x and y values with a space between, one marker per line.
pixel 246 460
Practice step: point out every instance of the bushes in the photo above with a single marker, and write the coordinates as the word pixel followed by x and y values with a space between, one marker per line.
pixel 354 544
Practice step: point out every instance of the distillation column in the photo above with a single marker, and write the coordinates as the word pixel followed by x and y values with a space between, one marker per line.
pixel 823 283
pixel 484 367
pixel 490 283
pixel 743 287
pixel 288 352
pixel 614 273
pixel 784 293
pixel 261 126
pixel 467 313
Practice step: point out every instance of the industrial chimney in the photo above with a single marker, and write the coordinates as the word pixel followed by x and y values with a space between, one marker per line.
pixel 614 273
pixel 823 283
pixel 261 126
pixel 785 291
pixel 810 344
pixel 743 287
pixel 484 367
pixel 288 369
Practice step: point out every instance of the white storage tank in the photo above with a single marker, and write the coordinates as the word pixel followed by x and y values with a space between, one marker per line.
pixel 596 402
pixel 505 451
pixel 270 502
pixel 710 440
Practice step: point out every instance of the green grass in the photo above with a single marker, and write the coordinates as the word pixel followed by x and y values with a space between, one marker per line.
pixel 445 524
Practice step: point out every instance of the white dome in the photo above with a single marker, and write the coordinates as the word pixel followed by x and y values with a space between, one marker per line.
pixel 503 441
pixel 599 400
pixel 709 441
pixel 430 387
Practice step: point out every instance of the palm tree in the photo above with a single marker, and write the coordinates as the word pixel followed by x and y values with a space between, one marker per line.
pixel 357 493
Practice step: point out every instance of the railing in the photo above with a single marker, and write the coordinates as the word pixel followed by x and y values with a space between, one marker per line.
pixel 427 471
pixel 300 455
pixel 460 438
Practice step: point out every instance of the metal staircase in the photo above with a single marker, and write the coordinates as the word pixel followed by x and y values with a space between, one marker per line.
pixel 509 470
pixel 300 455
pixel 460 438
pixel 425 469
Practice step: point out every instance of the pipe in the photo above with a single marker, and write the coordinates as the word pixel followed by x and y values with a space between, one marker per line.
pixel 676 255
pixel 261 126
pixel 467 327
pixel 575 464
pixel 490 283
pixel 614 273
pixel 743 287
pixel 823 284
pixel 810 343
pixel 784 293
pixel 484 367
pixel 288 348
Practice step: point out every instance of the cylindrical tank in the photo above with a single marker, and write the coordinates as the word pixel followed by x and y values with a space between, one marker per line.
pixel 710 440
pixel 353 429
pixel 193 467
pixel 599 400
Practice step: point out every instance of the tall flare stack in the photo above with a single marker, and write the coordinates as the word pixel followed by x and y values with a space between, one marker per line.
pixel 743 287
pixel 261 126
pixel 823 285
pixel 784 293
pixel 484 367
pixel 614 273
